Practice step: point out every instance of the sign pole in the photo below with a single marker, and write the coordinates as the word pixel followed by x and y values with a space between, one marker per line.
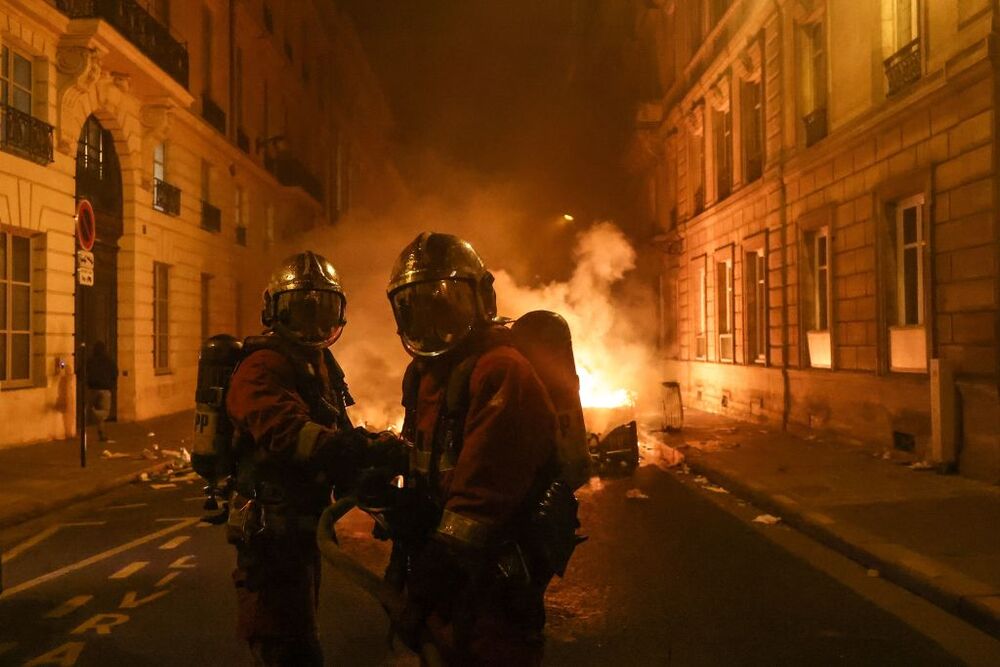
pixel 86 234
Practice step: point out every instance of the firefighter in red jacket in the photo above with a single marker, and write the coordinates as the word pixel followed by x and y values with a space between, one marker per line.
pixel 472 591
pixel 288 399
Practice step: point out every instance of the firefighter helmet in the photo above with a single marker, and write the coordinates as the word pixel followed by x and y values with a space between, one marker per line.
pixel 304 301
pixel 440 291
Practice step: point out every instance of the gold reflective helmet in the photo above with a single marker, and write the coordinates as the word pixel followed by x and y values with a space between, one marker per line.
pixel 304 302
pixel 440 291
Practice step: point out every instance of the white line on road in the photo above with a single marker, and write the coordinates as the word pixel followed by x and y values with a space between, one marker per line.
pixel 167 579
pixel 44 535
pixel 160 487
pixel 97 558
pixel 183 563
pixel 126 507
pixel 193 498
pixel 129 570
pixel 69 606
pixel 175 542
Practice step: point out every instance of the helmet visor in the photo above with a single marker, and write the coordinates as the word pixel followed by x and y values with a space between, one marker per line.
pixel 313 317
pixel 434 316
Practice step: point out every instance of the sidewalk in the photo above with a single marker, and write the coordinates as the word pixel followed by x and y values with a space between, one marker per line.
pixel 35 479
pixel 936 535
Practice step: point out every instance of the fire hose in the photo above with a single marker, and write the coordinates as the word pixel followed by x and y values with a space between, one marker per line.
pixel 390 599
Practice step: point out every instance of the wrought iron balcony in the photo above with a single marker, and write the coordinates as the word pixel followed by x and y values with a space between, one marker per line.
pixel 137 26
pixel 291 172
pixel 211 217
pixel 24 135
pixel 242 140
pixel 166 197
pixel 903 67
pixel 241 236
pixel 213 113
pixel 815 125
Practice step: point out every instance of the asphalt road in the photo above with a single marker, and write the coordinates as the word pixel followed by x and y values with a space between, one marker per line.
pixel 676 574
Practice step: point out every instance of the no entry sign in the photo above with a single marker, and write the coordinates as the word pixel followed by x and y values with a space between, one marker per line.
pixel 86 225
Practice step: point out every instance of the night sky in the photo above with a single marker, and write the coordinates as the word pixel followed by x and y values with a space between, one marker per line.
pixel 528 93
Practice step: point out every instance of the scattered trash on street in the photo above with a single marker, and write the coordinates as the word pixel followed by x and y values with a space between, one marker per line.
pixel 921 465
pixel 714 489
pixel 767 519
pixel 108 454
pixel 636 494
pixel 144 477
pixel 701 479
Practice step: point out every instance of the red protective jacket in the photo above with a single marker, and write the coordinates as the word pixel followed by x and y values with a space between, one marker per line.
pixel 508 436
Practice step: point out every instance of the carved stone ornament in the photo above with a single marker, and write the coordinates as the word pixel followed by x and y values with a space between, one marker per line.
pixel 156 119
pixel 80 64
pixel 748 65
pixel 695 119
pixel 718 95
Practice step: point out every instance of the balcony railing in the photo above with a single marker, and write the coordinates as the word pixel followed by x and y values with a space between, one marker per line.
pixel 213 113
pixel 137 26
pixel 24 135
pixel 290 171
pixel 166 197
pixel 242 140
pixel 241 236
pixel 903 67
pixel 815 125
pixel 211 217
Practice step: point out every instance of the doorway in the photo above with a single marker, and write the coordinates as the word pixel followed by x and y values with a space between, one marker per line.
pixel 99 180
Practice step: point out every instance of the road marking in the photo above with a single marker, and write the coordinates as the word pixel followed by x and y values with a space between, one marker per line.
pixel 193 498
pixel 175 542
pixel 129 570
pixel 64 656
pixel 167 579
pixel 183 563
pixel 133 601
pixel 101 623
pixel 97 558
pixel 160 487
pixel 126 507
pixel 69 606
pixel 16 551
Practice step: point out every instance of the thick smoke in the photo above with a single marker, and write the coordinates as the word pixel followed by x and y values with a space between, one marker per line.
pixel 363 247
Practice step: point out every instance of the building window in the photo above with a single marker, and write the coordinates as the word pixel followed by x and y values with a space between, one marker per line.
pixel 724 307
pixel 161 315
pixel 812 81
pixel 907 337
pixel 206 318
pixel 755 296
pixel 701 310
pixel 207 27
pixel 239 215
pixel 15 308
pixel 901 43
pixel 15 80
pixel 696 158
pixel 752 124
pixel 722 135
pixel 817 291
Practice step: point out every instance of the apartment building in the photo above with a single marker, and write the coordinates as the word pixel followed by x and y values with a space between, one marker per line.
pixel 202 134
pixel 822 182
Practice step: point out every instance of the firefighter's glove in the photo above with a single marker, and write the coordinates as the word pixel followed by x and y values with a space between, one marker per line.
pixel 438 574
pixel 341 454
pixel 389 452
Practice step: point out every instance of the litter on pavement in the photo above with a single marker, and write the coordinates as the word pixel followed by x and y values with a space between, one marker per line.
pixel 636 494
pixel 108 454
pixel 767 519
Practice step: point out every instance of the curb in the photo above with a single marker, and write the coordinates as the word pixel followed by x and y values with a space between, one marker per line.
pixel 46 506
pixel 968 609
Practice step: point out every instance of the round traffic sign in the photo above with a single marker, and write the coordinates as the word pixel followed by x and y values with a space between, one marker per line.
pixel 86 225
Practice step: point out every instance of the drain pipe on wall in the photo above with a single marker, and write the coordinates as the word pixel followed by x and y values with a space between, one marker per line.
pixel 786 68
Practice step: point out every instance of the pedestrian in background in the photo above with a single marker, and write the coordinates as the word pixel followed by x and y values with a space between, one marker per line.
pixel 102 375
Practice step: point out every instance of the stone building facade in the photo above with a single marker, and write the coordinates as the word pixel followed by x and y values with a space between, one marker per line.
pixel 203 133
pixel 822 177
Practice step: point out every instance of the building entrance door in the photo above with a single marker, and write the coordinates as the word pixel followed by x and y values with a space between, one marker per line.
pixel 99 180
